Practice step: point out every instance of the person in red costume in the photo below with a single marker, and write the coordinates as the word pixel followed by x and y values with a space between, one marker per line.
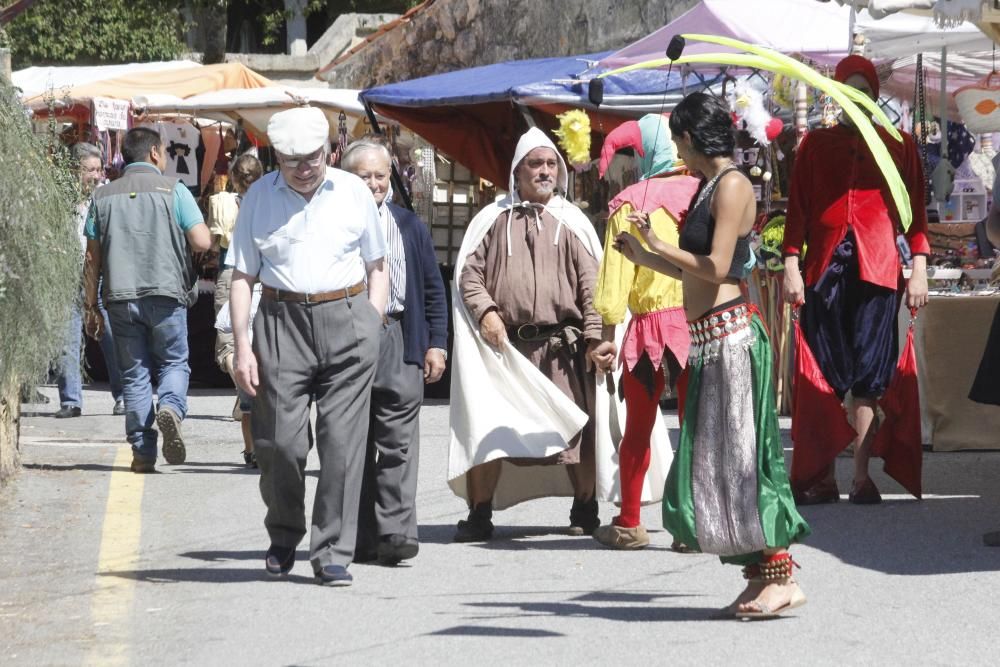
pixel 840 209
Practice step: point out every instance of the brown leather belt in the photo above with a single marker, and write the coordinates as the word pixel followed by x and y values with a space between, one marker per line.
pixel 318 297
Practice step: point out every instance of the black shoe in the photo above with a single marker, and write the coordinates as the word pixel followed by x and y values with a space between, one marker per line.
pixel 141 464
pixel 250 459
pixel 395 548
pixel 478 527
pixel 173 442
pixel 583 517
pixel 119 408
pixel 67 411
pixel 334 575
pixel 279 560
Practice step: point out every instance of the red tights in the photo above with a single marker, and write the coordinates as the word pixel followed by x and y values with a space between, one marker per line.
pixel 633 452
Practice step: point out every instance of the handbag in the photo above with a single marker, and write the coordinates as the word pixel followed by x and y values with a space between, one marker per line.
pixel 979 105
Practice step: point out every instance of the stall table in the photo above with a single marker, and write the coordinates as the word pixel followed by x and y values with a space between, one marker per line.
pixel 950 336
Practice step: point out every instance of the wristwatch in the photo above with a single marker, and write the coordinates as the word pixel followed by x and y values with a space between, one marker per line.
pixel 444 353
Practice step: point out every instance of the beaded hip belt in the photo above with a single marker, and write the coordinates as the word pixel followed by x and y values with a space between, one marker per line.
pixel 708 332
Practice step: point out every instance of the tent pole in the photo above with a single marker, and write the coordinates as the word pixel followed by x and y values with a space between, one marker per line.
pixel 397 180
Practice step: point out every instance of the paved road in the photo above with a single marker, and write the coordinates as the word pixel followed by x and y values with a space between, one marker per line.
pixel 100 566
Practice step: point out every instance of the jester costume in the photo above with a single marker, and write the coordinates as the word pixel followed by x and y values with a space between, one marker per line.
pixel 657 329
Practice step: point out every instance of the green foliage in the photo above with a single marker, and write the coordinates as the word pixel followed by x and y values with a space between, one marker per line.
pixel 40 258
pixel 96 31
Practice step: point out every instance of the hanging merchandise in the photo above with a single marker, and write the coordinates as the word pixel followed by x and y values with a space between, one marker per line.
pixel 943 176
pixel 979 104
pixel 747 103
pixel 981 160
pixel 574 137
pixel 341 145
pixel 185 152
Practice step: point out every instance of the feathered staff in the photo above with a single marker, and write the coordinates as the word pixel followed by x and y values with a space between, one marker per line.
pixel 761 58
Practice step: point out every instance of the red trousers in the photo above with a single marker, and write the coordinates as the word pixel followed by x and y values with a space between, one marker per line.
pixel 633 452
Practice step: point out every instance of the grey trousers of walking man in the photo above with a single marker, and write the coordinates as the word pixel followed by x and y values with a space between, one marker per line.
pixel 394 433
pixel 327 351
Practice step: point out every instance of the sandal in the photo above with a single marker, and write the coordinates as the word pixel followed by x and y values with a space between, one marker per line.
pixel 250 459
pixel 776 569
pixel 679 547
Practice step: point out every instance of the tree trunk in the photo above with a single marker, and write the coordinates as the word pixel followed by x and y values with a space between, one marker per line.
pixel 10 413
pixel 212 23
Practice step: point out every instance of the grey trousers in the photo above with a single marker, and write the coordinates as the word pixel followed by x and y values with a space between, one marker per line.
pixel 389 491
pixel 327 351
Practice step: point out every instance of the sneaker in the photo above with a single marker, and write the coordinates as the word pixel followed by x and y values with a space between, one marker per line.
pixel 279 560
pixel 617 537
pixel 583 518
pixel 67 411
pixel 140 464
pixel 170 429
pixel 119 408
pixel 334 575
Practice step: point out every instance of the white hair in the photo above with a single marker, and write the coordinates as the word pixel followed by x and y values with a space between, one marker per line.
pixel 356 148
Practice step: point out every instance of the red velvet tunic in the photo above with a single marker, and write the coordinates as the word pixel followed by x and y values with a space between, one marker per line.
pixel 836 184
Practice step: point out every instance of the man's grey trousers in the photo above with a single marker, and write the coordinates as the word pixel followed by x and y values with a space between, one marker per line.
pixel 327 352
pixel 388 496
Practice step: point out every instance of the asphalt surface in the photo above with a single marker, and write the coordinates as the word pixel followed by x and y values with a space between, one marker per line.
pixel 100 566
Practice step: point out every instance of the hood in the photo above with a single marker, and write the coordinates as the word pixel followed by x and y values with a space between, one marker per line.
pixel 529 141
pixel 659 154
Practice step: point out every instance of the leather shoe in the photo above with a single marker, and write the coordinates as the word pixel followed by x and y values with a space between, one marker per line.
pixel 626 539
pixel 279 560
pixel 866 494
pixel 818 494
pixel 67 411
pixel 583 517
pixel 334 575
pixel 395 548
pixel 141 464
pixel 478 527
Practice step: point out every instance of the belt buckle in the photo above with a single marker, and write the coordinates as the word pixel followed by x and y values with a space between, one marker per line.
pixel 306 299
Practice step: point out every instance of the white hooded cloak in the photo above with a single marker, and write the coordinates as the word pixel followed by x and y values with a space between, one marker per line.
pixel 502 406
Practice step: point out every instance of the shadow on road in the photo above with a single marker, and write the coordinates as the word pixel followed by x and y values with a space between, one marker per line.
pixel 222 556
pixel 941 534
pixel 75 467
pixel 207 575
pixel 645 614
pixel 483 631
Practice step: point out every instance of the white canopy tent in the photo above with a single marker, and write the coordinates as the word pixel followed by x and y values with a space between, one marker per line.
pixel 254 107
pixel 36 80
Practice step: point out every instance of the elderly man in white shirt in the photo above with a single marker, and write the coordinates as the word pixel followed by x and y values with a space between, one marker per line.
pixel 311 235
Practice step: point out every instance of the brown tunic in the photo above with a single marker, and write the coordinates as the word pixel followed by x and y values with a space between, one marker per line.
pixel 543 282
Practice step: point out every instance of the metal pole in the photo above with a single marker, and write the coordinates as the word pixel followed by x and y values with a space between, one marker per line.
pixel 397 180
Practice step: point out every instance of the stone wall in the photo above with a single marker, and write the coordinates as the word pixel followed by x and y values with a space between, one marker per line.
pixel 448 35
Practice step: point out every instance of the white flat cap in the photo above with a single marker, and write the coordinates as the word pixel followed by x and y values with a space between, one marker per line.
pixel 298 131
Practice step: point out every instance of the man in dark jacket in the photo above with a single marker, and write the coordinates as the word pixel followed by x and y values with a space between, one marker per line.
pixel 412 353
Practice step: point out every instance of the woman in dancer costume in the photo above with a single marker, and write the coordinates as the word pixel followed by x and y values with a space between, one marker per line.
pixel 727 492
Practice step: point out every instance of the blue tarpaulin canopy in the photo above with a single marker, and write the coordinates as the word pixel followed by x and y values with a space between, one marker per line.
pixel 476 115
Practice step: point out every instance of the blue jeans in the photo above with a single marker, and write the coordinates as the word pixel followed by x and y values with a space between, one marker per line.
pixel 69 380
pixel 150 336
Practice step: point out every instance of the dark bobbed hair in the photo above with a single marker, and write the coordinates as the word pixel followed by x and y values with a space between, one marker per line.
pixel 139 141
pixel 708 122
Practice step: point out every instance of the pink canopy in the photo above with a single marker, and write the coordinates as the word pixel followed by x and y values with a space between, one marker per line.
pixel 818 31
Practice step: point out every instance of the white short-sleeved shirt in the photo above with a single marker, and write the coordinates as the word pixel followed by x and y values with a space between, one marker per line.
pixel 315 246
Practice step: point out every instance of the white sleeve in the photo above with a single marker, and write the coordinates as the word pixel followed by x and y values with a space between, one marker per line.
pixel 372 239
pixel 244 255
